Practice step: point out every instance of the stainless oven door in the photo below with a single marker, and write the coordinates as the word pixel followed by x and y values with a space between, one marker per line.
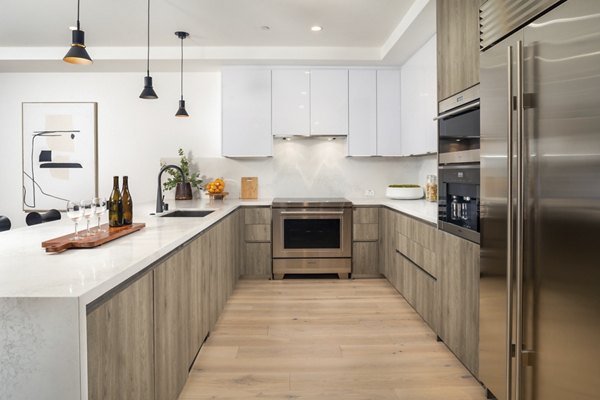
pixel 312 232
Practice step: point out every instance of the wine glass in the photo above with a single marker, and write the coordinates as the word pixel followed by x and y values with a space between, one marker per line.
pixel 75 213
pixel 101 206
pixel 89 209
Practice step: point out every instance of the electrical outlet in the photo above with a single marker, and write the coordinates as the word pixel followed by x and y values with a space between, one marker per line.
pixel 369 193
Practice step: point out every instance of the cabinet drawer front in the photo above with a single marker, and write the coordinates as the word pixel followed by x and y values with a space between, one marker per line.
pixel 423 257
pixel 418 231
pixel 257 233
pixel 365 259
pixel 425 297
pixel 258 215
pixel 425 235
pixel 417 287
pixel 403 224
pixel 365 232
pixel 365 215
pixel 257 260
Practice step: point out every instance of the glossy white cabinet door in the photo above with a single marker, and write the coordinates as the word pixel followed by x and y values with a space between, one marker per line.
pixel 389 141
pixel 419 101
pixel 329 102
pixel 362 129
pixel 246 101
pixel 291 102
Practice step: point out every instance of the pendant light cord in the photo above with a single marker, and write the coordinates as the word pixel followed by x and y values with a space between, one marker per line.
pixel 148 58
pixel 78 27
pixel 182 67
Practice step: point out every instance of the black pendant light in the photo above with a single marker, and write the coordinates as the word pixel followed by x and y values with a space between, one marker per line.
pixel 181 111
pixel 77 54
pixel 148 92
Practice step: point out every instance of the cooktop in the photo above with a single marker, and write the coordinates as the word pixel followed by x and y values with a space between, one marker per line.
pixel 308 202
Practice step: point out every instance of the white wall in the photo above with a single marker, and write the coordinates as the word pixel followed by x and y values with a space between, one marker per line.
pixel 135 134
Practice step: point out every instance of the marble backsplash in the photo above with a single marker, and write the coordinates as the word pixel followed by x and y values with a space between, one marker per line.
pixel 315 167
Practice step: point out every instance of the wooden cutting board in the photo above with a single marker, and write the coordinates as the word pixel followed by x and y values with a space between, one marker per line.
pixel 249 187
pixel 60 244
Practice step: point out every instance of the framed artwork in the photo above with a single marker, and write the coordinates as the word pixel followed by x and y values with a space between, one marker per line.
pixel 59 154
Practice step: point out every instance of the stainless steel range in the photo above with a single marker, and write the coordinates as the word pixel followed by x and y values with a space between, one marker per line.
pixel 312 236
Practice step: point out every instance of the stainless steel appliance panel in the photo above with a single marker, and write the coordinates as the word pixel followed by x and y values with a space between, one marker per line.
pixel 306 224
pixel 561 298
pixel 496 125
pixel 501 17
pixel 540 278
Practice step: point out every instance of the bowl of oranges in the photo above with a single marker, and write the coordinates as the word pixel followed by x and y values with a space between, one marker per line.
pixel 216 189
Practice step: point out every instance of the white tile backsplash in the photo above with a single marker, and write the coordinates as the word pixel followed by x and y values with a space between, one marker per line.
pixel 316 167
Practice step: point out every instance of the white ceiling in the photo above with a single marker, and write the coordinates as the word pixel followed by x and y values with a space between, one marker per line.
pixel 222 31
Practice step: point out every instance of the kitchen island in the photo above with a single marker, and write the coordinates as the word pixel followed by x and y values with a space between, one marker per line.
pixel 46 299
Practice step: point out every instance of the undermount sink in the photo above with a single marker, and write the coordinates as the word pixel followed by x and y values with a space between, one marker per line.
pixel 188 213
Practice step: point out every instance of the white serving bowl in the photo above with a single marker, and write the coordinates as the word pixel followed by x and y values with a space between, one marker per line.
pixel 401 193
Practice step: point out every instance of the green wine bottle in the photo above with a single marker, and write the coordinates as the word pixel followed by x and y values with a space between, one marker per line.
pixel 115 206
pixel 127 203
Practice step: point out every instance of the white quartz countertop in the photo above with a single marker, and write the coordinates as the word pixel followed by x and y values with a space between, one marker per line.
pixel 422 209
pixel 26 270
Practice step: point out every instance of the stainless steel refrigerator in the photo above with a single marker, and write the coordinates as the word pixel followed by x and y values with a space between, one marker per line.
pixel 540 207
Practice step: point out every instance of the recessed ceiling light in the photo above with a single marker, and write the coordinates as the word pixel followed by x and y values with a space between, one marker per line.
pixel 316 28
pixel 265 28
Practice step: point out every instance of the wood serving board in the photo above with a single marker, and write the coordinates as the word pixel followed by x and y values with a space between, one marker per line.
pixel 62 243
pixel 249 187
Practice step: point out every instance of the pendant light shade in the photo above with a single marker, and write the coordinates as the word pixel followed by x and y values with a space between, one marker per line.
pixel 181 112
pixel 77 54
pixel 148 92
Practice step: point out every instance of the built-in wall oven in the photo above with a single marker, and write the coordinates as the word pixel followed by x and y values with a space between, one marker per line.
pixel 458 128
pixel 459 133
pixel 312 236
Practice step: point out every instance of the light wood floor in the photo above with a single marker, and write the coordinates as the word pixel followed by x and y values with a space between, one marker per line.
pixel 325 339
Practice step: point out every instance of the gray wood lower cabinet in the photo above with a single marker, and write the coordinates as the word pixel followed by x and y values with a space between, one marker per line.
pixel 459 298
pixel 257 257
pixel 120 344
pixel 365 242
pixel 438 274
pixel 143 338
pixel 418 288
pixel 172 323
pixel 409 254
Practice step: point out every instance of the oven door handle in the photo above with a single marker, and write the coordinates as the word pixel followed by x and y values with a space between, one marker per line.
pixel 312 213
pixel 457 110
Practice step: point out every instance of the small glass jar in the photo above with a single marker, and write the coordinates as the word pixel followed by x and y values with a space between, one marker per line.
pixel 431 189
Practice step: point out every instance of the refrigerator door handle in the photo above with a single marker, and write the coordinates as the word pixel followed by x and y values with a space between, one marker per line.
pixel 509 228
pixel 519 226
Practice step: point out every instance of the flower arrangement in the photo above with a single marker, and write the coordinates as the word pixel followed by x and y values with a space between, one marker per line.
pixel 193 178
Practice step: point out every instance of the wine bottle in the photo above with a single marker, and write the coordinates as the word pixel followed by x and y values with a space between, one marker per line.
pixel 115 207
pixel 127 203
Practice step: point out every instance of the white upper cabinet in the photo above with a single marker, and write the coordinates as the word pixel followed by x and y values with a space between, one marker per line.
pixel 310 102
pixel 291 102
pixel 389 141
pixel 419 101
pixel 362 129
pixel 246 102
pixel 329 102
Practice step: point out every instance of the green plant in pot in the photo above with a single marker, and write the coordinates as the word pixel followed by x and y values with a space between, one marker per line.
pixel 183 191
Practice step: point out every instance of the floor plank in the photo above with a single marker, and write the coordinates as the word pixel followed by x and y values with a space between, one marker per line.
pixel 325 339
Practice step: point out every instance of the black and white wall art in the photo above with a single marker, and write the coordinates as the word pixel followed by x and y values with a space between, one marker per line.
pixel 59 154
